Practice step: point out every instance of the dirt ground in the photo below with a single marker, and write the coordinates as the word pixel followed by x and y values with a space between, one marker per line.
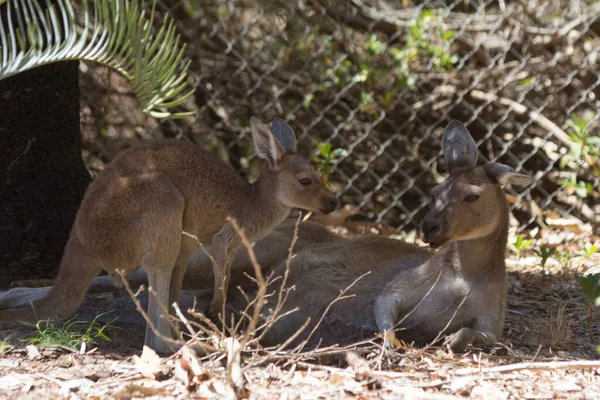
pixel 545 353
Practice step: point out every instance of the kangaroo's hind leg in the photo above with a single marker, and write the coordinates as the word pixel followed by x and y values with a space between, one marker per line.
pixel 157 335
pixel 159 230
pixel 160 267
pixel 179 271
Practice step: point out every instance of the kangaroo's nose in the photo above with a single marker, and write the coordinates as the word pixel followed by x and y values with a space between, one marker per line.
pixel 328 205
pixel 430 228
pixel 333 202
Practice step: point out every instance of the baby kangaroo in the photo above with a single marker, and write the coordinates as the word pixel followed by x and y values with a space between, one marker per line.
pixel 458 293
pixel 141 208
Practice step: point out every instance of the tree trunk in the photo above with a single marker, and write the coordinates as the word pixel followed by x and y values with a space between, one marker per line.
pixel 43 178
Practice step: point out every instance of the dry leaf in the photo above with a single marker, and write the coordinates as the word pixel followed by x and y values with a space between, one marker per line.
pixel 32 352
pixel 188 369
pixel 359 365
pixel 137 391
pixel 148 364
pixel 336 379
pixel 462 385
pixel 573 224
pixel 234 362
pixel 566 386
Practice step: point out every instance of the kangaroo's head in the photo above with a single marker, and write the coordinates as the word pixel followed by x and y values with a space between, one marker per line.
pixel 296 182
pixel 470 203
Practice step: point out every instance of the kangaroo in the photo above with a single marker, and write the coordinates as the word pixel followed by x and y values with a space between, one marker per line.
pixel 457 293
pixel 142 208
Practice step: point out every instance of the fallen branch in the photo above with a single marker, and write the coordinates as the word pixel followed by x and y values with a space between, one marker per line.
pixel 360 16
pixel 531 366
pixel 520 109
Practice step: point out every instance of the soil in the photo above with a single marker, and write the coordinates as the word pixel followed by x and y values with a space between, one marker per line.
pixel 545 352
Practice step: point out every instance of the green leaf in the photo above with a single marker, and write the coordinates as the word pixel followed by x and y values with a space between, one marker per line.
pixel 447 35
pixel 339 153
pixel 307 100
pixel 589 285
pixel 374 45
pixel 576 150
pixel 116 33
pixel 581 190
pixel 589 249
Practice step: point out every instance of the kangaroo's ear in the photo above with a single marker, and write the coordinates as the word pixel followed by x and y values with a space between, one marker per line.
pixel 267 146
pixel 459 148
pixel 505 175
pixel 284 133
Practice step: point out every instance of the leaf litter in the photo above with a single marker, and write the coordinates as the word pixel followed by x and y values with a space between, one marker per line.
pixel 545 352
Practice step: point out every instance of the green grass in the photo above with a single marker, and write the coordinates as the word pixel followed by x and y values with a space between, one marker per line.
pixel 3 346
pixel 71 333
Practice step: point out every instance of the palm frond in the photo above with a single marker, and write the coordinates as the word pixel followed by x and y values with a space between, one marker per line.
pixel 116 33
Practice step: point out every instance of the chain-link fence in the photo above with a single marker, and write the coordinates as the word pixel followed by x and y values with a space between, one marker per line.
pixel 380 80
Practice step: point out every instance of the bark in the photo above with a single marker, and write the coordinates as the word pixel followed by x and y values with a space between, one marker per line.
pixel 43 178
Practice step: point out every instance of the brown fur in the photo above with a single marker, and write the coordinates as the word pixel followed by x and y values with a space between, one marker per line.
pixel 135 211
pixel 458 292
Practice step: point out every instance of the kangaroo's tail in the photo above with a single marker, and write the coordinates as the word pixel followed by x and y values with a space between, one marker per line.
pixel 77 269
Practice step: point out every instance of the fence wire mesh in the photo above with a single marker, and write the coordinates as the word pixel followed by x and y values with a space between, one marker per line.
pixel 379 80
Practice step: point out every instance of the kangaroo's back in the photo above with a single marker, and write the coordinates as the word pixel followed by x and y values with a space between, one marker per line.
pixel 207 185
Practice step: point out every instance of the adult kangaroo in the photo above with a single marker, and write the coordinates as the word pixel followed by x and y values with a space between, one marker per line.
pixel 139 210
pixel 457 293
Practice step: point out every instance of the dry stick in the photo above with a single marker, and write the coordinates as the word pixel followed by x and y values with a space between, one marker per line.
pixel 420 301
pixel 592 13
pixel 329 351
pixel 531 366
pixel 140 309
pixel 520 109
pixel 262 285
pixel 322 351
pixel 211 326
pixel 339 297
pixel 212 260
pixel 280 297
pixel 200 244
pixel 261 327
pixel 385 334
pixel 440 333
pixel 164 310
pixel 243 313
pixel 259 300
pixel 293 336
pixel 271 354
pixel 207 348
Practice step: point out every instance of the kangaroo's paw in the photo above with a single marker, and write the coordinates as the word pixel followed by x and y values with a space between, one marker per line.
pixel 461 339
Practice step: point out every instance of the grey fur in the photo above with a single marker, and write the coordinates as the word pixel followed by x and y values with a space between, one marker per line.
pixel 459 148
pixel 284 134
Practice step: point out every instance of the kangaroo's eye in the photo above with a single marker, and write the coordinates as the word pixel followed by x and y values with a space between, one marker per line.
pixel 471 198
pixel 305 181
